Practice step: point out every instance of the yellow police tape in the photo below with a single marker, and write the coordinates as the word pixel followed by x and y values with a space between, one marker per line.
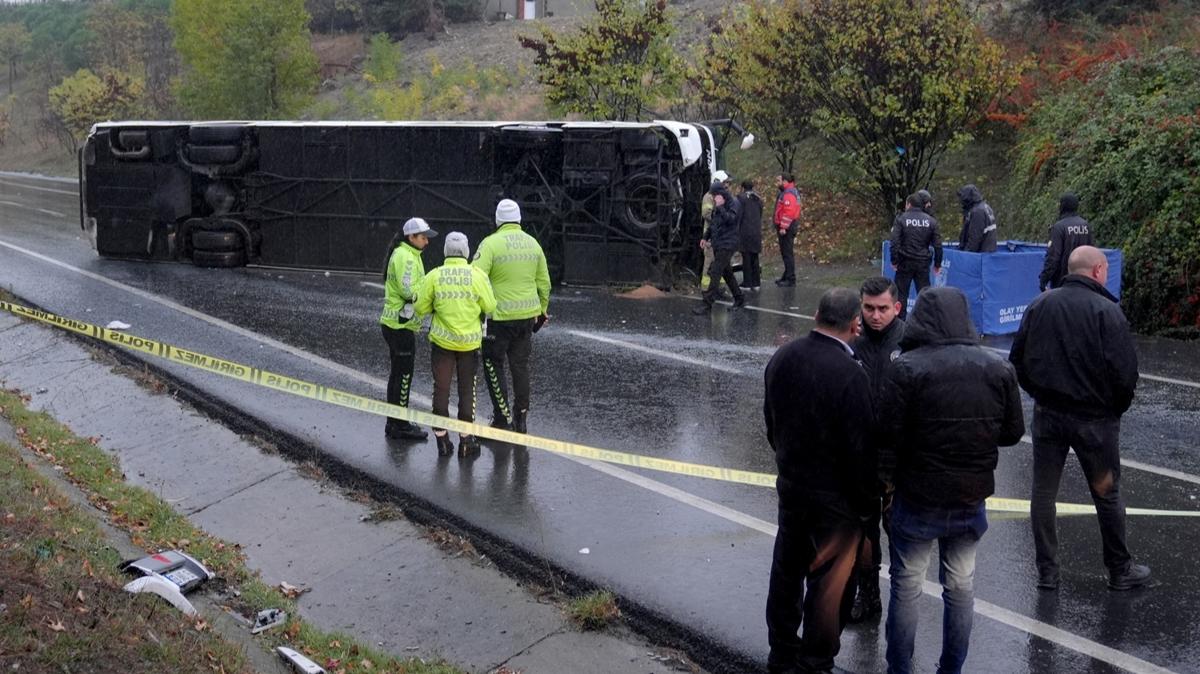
pixel 304 389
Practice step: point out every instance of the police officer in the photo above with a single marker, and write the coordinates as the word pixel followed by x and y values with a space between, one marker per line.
pixel 876 347
pixel 913 232
pixel 457 295
pixel 978 233
pixel 515 264
pixel 400 321
pixel 1069 233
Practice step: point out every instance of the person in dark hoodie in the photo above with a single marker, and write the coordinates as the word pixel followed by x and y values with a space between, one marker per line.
pixel 926 201
pixel 945 406
pixel 979 222
pixel 914 233
pixel 876 347
pixel 751 235
pixel 817 408
pixel 1069 233
pixel 724 235
pixel 1075 357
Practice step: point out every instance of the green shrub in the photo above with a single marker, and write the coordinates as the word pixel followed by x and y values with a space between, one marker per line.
pixel 1127 143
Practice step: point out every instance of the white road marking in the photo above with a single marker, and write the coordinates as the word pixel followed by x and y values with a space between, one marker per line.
pixel 38 176
pixel 33 208
pixel 372 284
pixel 654 352
pixel 1146 467
pixel 1141 375
pixel 1002 615
pixel 73 193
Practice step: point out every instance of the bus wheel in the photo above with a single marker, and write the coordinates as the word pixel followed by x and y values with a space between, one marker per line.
pixel 205 258
pixel 217 242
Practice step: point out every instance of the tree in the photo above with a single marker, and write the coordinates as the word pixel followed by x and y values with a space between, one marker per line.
pixel 249 59
pixel 618 65
pixel 85 98
pixel 737 69
pixel 892 85
pixel 15 40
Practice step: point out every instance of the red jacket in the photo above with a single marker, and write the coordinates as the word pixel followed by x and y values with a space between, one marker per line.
pixel 787 206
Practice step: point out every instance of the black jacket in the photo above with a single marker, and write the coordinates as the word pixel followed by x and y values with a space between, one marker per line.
pixel 818 414
pixel 913 232
pixel 877 349
pixel 1074 352
pixel 751 225
pixel 979 222
pixel 1069 233
pixel 945 406
pixel 724 230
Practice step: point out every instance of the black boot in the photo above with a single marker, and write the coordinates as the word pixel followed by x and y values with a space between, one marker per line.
pixel 500 422
pixel 518 422
pixel 468 445
pixel 445 445
pixel 404 430
pixel 866 602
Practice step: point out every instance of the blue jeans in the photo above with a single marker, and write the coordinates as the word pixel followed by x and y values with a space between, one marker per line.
pixel 914 530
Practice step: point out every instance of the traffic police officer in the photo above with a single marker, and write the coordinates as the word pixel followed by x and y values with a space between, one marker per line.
pixel 515 264
pixel 400 321
pixel 457 295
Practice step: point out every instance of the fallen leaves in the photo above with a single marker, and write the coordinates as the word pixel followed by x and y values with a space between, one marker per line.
pixel 56 625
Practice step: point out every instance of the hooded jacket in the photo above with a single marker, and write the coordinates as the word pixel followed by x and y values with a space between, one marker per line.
pixel 945 407
pixel 1069 233
pixel 1074 352
pixel 979 222
pixel 751 224
pixel 914 232
pixel 724 230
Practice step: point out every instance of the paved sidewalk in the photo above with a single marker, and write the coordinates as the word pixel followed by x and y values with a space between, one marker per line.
pixel 383 583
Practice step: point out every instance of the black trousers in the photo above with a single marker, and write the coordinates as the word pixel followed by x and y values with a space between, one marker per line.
pixel 1096 445
pixel 813 560
pixel 402 345
pixel 787 252
pixel 909 273
pixel 510 341
pixel 446 365
pixel 721 268
pixel 751 270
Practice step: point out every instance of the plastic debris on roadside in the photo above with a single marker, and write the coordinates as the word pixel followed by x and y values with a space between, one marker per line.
pixel 156 584
pixel 177 567
pixel 118 325
pixel 298 662
pixel 268 618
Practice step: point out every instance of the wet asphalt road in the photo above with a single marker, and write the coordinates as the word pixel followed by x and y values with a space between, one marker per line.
pixel 647 377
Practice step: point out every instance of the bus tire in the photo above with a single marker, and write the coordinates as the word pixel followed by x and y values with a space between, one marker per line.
pixel 214 134
pixel 217 242
pixel 205 258
pixel 214 154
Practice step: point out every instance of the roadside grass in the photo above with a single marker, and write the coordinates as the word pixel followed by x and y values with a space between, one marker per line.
pixel 594 611
pixel 153 525
pixel 63 608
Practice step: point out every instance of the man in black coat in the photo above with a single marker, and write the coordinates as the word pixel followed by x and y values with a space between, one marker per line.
pixel 751 236
pixel 914 232
pixel 978 233
pixel 818 414
pixel 1074 355
pixel 876 348
pixel 724 235
pixel 1069 233
pixel 945 406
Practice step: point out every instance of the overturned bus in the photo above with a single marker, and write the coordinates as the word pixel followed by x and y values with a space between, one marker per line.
pixel 610 202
